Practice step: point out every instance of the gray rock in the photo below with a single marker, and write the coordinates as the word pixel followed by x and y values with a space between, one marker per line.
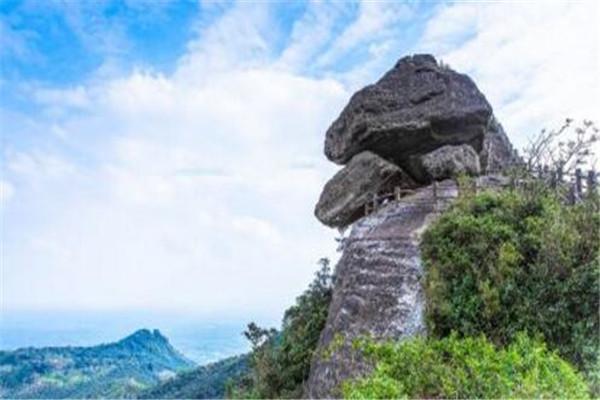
pixel 497 152
pixel 378 287
pixel 415 108
pixel 344 197
pixel 444 163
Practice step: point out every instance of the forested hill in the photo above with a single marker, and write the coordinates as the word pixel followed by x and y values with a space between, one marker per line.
pixel 116 370
pixel 205 382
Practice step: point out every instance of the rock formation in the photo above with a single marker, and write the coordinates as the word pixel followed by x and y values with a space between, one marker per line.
pixel 445 162
pixel 420 123
pixel 416 107
pixel 405 118
pixel 344 196
pixel 497 152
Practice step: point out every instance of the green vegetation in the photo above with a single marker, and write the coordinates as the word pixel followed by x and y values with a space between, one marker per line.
pixel 280 360
pixel 501 263
pixel 116 370
pixel 502 267
pixel 465 368
pixel 205 382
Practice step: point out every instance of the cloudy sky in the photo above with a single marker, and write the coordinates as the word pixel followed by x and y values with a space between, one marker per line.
pixel 168 155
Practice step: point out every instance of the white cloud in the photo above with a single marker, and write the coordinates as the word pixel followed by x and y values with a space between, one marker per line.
pixel 239 38
pixel 76 97
pixel 193 201
pixel 375 21
pixel 36 166
pixel 7 191
pixel 536 63
pixel 311 34
pixel 195 190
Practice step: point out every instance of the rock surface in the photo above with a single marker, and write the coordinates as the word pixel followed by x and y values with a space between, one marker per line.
pixel 497 152
pixel 445 162
pixel 344 197
pixel 378 286
pixel 415 108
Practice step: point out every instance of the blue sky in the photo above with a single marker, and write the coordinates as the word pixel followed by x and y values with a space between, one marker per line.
pixel 167 155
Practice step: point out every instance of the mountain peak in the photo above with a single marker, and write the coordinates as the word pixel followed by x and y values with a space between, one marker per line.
pixel 136 361
pixel 144 337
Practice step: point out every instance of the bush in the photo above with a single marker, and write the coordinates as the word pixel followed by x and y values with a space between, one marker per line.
pixel 500 263
pixel 465 368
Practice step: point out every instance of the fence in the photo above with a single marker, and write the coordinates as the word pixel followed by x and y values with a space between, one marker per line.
pixel 571 187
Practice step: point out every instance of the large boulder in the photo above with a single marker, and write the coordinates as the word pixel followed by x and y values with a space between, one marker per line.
pixel 445 162
pixel 344 197
pixel 415 108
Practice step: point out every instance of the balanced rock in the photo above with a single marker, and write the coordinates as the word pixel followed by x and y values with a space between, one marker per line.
pixel 415 108
pixel 445 162
pixel 344 197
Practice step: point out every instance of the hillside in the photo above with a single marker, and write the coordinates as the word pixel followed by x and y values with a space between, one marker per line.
pixel 468 270
pixel 116 370
pixel 205 382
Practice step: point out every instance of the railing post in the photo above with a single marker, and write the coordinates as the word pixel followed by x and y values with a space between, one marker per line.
pixel 572 195
pixel 592 180
pixel 398 192
pixel 434 190
pixel 578 182
pixel 560 173
pixel 476 185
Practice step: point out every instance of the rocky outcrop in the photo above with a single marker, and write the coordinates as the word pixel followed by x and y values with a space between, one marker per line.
pixel 444 163
pixel 416 107
pixel 345 195
pixel 421 123
pixel 378 286
pixel 421 116
pixel 497 152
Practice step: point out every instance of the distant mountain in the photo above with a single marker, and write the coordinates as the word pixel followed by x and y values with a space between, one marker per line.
pixel 116 370
pixel 205 382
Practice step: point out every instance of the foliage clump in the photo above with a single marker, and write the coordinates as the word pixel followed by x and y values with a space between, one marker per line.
pixel 204 382
pixel 500 263
pixel 280 360
pixel 465 368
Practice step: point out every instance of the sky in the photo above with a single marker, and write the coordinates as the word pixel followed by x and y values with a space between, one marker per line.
pixel 168 155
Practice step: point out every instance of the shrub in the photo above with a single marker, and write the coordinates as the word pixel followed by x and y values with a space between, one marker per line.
pixel 500 263
pixel 465 368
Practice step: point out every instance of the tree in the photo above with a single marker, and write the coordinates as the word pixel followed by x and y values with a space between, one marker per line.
pixel 280 360
pixel 563 149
